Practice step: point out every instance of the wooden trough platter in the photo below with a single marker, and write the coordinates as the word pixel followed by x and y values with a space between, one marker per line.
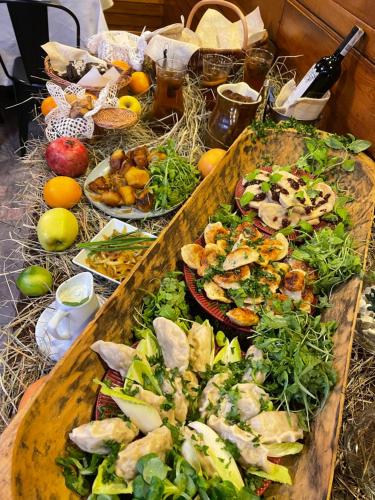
pixel 39 432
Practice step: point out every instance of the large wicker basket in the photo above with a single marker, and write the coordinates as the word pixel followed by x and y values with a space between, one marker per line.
pixel 234 54
pixel 122 82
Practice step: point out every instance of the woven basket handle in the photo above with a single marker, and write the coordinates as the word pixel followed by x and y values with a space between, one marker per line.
pixel 223 3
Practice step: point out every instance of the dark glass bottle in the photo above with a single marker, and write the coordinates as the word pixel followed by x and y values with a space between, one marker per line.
pixel 325 73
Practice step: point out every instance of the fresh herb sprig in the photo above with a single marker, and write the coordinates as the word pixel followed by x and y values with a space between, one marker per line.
pixel 318 159
pixel 117 243
pixel 332 254
pixel 173 178
pixel 298 358
pixel 169 301
pixel 77 467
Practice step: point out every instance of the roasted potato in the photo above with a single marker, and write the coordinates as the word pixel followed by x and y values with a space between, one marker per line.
pixel 99 185
pixel 139 156
pixel 136 177
pixel 145 201
pixel 110 198
pixel 128 195
pixel 116 159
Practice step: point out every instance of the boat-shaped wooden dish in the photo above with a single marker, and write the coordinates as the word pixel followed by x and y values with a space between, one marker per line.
pixel 40 430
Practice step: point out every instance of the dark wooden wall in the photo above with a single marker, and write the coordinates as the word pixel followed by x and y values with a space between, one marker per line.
pixel 314 28
pixel 133 15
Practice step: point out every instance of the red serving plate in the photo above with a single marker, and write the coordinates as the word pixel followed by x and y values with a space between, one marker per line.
pixel 105 407
pixel 212 307
pixel 239 191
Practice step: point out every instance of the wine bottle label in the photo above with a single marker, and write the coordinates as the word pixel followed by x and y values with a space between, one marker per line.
pixel 357 36
pixel 300 89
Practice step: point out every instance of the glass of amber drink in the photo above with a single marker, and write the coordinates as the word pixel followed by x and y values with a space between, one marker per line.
pixel 168 98
pixel 216 69
pixel 256 66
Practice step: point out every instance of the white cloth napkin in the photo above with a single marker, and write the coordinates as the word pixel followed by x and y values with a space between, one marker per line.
pixel 305 108
pixel 60 55
pixel 215 31
pixel 175 49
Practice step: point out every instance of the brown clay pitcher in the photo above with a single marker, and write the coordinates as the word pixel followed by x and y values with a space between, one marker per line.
pixel 231 115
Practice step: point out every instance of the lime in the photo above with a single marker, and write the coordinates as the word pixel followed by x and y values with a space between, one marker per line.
pixel 34 281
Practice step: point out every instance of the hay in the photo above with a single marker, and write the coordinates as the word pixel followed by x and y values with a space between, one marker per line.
pixel 20 360
pixel 21 363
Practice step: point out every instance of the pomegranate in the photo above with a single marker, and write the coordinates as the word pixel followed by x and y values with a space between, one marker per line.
pixel 67 156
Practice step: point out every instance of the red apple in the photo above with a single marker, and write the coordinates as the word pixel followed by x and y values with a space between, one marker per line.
pixel 67 156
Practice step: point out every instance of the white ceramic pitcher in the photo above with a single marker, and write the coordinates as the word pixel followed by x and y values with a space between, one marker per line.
pixel 76 304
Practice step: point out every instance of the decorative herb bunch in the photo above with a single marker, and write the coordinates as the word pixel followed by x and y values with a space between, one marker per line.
pixel 173 178
pixel 298 359
pixel 119 242
pixel 318 160
pixel 331 253
pixel 169 301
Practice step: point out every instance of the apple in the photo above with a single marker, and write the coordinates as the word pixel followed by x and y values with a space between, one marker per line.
pixel 67 156
pixel 130 102
pixel 57 229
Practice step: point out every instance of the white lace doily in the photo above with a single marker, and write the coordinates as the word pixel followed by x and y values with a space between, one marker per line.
pixel 119 45
pixel 59 124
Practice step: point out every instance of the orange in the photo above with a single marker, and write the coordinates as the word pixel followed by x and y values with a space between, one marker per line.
pixel 209 160
pixel 62 192
pixel 139 83
pixel 48 104
pixel 121 65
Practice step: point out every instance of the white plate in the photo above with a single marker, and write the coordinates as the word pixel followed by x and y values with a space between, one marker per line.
pixel 113 225
pixel 49 345
pixel 120 212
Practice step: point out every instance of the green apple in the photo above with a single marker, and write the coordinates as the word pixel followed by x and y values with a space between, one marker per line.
pixel 34 281
pixel 57 229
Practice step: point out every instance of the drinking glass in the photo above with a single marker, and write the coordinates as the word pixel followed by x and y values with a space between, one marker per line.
pixel 216 69
pixel 256 66
pixel 168 98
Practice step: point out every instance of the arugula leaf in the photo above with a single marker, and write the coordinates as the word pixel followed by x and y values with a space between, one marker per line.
pixel 228 218
pixel 348 165
pixel 246 198
pixel 331 253
pixel 173 178
pixel 332 142
pixel 77 465
pixel 168 301
pixel 298 360
pixel 359 145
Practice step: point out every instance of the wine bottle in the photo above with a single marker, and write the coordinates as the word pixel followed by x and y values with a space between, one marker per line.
pixel 325 73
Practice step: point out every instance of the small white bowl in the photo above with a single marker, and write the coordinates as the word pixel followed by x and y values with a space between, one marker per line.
pixel 113 225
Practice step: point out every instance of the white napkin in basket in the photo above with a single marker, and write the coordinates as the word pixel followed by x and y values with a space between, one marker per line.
pixel 217 32
pixel 305 108
pixel 61 54
pixel 175 48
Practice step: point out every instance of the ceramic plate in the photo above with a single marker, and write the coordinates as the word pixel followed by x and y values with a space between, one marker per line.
pixel 239 191
pixel 113 225
pixel 212 307
pixel 50 346
pixel 105 407
pixel 120 212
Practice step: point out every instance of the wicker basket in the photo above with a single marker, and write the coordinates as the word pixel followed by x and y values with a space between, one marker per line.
pixel 122 82
pixel 235 54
